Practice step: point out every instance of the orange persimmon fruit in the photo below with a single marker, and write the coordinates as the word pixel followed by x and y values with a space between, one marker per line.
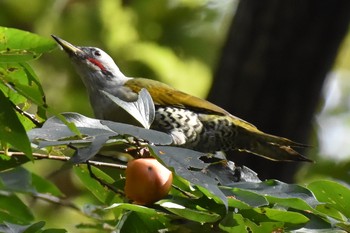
pixel 147 181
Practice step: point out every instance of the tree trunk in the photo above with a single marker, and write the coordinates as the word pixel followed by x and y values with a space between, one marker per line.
pixel 273 66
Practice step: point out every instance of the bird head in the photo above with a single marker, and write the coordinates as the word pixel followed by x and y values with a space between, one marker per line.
pixel 96 68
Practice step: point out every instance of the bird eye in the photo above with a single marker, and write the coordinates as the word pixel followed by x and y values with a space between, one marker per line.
pixel 97 53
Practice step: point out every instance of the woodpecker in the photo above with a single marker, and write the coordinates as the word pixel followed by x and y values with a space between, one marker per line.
pixel 193 123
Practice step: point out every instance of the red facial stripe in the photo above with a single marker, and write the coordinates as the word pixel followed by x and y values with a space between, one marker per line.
pixel 97 63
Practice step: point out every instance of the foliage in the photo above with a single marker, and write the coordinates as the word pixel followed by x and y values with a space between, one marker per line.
pixel 19 83
pixel 205 196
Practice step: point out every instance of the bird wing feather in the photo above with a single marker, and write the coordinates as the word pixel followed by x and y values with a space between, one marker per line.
pixel 165 95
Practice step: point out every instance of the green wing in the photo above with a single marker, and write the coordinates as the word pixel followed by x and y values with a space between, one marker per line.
pixel 165 95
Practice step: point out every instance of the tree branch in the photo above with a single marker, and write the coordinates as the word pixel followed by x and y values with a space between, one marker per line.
pixel 102 182
pixel 55 200
pixel 31 117
pixel 65 158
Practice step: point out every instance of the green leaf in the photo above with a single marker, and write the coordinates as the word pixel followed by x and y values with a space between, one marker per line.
pixel 250 198
pixel 295 203
pixel 54 230
pixel 103 194
pixel 333 194
pixel 343 225
pixel 190 214
pixel 85 153
pixel 181 160
pixel 136 208
pixel 20 84
pixel 35 227
pixel 11 227
pixel 265 214
pixel 331 212
pixel 280 190
pixel 7 162
pixel 235 203
pixel 98 227
pixel 12 209
pixel 237 223
pixel 33 79
pixel 141 222
pixel 22 79
pixel 20 180
pixel 11 129
pixel 16 180
pixel 139 218
pixel 233 223
pixel 31 228
pixel 42 185
pixel 18 46
pixel 282 215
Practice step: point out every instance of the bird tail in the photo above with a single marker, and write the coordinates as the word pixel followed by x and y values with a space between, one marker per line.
pixel 250 139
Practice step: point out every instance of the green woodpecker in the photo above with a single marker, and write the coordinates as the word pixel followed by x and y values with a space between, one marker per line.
pixel 192 122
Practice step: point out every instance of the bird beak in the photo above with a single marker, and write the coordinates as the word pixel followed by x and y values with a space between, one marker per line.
pixel 68 47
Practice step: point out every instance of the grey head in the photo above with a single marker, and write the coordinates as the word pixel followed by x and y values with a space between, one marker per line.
pixel 98 72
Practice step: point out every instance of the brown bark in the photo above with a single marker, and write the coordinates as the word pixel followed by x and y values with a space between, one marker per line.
pixel 273 66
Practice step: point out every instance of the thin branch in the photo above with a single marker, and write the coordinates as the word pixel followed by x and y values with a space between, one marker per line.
pixel 187 194
pixel 31 117
pixel 55 200
pixel 65 158
pixel 104 164
pixel 102 182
